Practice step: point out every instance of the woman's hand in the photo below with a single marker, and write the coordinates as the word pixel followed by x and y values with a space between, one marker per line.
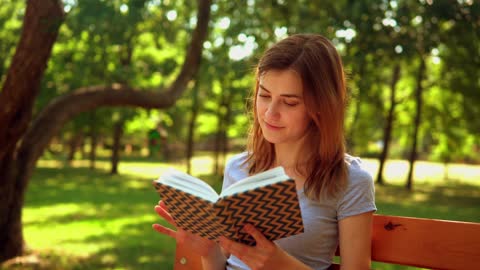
pixel 265 255
pixel 202 245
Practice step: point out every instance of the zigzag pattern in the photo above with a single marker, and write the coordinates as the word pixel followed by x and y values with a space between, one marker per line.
pixel 273 209
pixel 191 213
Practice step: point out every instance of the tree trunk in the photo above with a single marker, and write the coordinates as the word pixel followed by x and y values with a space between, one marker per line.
pixel 221 111
pixel 93 141
pixel 387 131
pixel 117 136
pixel 40 29
pixel 166 149
pixel 22 84
pixel 418 113
pixel 216 148
pixel 358 107
pixel 226 124
pixel 74 143
pixel 191 126
pixel 445 171
pixel 81 147
pixel 125 61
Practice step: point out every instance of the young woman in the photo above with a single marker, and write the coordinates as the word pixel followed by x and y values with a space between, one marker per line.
pixel 298 118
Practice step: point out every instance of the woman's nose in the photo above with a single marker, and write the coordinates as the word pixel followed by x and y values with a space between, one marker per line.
pixel 272 110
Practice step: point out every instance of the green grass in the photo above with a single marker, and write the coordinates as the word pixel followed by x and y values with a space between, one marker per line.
pixel 76 218
pixel 104 220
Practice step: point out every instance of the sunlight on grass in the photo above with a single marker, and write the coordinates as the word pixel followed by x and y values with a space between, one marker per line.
pixel 73 237
pixel 85 237
pixel 201 165
pixel 83 229
pixel 396 172
pixel 143 169
pixel 45 213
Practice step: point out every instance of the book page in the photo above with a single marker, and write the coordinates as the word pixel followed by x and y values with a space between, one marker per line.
pixel 259 180
pixel 188 184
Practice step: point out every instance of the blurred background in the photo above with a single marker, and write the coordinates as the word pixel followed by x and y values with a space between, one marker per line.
pixel 413 71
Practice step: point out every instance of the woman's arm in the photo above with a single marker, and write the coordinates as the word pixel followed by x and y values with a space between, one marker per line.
pixel 355 241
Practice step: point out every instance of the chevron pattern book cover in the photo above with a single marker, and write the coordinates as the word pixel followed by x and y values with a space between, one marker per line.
pixel 274 210
pixel 191 213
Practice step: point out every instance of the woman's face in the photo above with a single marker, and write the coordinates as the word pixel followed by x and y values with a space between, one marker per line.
pixel 280 107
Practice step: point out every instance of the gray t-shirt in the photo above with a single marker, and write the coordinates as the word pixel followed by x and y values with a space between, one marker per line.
pixel 316 246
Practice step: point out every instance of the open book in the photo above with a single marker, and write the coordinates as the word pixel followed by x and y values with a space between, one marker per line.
pixel 267 200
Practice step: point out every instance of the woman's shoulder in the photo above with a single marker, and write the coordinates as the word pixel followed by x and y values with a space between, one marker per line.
pixel 357 171
pixel 359 195
pixel 237 160
pixel 236 169
pixel 237 164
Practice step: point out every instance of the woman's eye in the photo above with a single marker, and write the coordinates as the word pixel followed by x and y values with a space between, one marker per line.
pixel 264 96
pixel 291 102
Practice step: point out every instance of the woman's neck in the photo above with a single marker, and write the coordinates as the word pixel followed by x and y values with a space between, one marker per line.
pixel 294 161
pixel 289 156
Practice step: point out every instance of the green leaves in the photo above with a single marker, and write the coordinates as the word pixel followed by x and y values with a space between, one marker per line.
pixel 142 43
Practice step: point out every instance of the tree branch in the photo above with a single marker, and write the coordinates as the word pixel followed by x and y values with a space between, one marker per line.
pixel 59 111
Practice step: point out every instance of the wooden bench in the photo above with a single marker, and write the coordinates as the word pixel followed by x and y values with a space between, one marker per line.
pixel 427 243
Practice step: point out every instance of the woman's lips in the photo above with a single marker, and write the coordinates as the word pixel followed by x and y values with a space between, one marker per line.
pixel 274 127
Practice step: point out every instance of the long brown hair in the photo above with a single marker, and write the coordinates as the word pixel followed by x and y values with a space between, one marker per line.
pixel 318 64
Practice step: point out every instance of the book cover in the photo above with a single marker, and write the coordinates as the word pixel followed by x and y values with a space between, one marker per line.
pixel 273 209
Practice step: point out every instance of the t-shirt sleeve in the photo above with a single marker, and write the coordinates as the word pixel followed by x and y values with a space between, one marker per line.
pixel 227 178
pixel 235 170
pixel 359 197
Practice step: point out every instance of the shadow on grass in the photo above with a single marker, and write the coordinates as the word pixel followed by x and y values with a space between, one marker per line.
pixel 52 186
pixel 130 250
pixel 124 203
pixel 136 247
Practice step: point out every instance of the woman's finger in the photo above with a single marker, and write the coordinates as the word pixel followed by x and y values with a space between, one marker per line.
pixel 164 214
pixel 237 249
pixel 163 205
pixel 164 230
pixel 256 234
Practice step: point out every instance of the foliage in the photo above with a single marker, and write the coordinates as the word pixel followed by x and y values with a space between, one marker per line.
pixel 142 43
pixel 11 15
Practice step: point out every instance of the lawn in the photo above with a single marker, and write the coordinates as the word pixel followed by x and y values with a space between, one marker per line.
pixel 76 218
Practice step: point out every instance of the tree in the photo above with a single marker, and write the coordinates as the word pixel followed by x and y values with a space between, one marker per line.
pixel 387 130
pixel 24 140
pixel 419 89
pixel 40 29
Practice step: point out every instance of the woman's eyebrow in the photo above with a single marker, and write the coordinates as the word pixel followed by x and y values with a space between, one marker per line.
pixel 263 88
pixel 283 95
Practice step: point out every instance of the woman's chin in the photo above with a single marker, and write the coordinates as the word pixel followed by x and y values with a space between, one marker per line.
pixel 273 139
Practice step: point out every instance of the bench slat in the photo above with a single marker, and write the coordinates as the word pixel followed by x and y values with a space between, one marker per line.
pixel 427 243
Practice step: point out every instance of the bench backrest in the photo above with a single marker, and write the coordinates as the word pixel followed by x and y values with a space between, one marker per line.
pixel 428 243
